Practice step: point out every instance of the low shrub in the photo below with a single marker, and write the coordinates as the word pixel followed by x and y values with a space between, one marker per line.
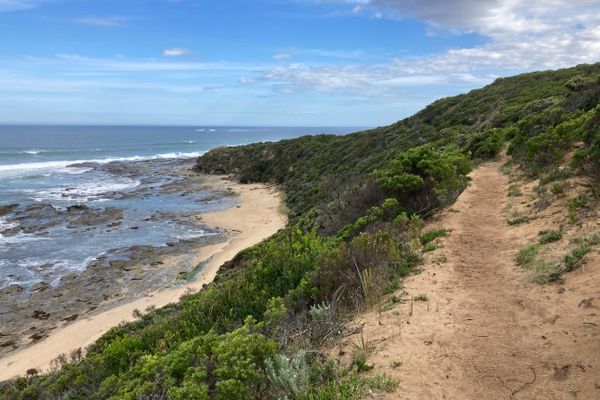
pixel 557 189
pixel 549 236
pixel 575 257
pixel 522 219
pixel 433 234
pixel 527 254
pixel 514 191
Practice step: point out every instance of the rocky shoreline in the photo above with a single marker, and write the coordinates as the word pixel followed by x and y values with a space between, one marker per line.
pixel 29 314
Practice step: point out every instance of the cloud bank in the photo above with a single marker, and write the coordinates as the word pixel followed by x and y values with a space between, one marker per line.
pixel 520 35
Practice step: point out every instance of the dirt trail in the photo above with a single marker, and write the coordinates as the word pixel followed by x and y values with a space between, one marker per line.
pixel 487 331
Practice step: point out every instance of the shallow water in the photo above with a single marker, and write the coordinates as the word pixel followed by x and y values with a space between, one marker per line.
pixel 133 171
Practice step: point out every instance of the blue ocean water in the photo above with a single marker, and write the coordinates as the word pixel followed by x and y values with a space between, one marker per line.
pixel 103 168
pixel 27 148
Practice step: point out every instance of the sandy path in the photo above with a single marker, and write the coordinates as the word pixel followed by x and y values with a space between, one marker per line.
pixel 487 332
pixel 257 217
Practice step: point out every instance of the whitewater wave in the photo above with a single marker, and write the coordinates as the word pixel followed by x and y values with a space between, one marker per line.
pixel 83 192
pixel 28 271
pixel 6 225
pixel 70 166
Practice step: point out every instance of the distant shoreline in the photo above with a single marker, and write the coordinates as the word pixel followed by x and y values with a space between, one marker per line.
pixel 257 217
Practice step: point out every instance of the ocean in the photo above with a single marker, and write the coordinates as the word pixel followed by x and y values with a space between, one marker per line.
pixel 72 194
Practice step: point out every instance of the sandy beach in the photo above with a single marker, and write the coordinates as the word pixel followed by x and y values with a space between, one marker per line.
pixel 257 216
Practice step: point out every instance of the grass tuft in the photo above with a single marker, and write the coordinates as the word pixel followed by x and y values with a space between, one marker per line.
pixel 433 234
pixel 550 236
pixel 519 220
pixel 527 254
pixel 575 258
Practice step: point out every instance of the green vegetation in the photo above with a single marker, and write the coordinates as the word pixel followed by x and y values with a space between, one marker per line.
pixel 421 297
pixel 546 272
pixel 550 236
pixel 543 271
pixel 557 189
pixel 514 191
pixel 575 257
pixel 522 219
pixel 356 204
pixel 431 235
pixel 527 254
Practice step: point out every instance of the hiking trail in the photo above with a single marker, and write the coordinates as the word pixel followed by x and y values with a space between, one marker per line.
pixel 487 331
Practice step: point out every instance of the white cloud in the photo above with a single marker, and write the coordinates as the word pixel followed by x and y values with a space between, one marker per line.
pixel 520 35
pixel 282 56
pixel 18 5
pixel 176 52
pixel 102 22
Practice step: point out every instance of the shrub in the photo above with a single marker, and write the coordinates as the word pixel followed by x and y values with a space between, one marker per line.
pixel 433 234
pixel 578 83
pixel 289 378
pixel 359 362
pixel 545 272
pixel 429 247
pixel 556 175
pixel 588 162
pixel 421 297
pixel 487 144
pixel 527 254
pixel 575 257
pixel 557 189
pixel 519 220
pixel 422 178
pixel 549 236
pixel 514 191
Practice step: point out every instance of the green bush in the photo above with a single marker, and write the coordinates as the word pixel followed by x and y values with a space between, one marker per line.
pixel 423 179
pixel 527 254
pixel 550 236
pixel 486 145
pixel 433 234
pixel 575 257
pixel 514 191
pixel 557 189
pixel 519 220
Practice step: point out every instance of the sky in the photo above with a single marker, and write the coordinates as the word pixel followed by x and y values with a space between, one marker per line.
pixel 272 62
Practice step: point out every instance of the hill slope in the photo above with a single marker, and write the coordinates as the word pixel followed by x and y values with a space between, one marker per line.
pixel 357 203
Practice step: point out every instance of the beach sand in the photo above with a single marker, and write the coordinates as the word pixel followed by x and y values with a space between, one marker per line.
pixel 257 216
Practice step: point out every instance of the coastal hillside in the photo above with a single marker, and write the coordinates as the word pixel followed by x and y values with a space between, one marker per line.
pixel 315 311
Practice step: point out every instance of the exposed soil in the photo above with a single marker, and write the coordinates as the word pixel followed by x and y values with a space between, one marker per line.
pixel 487 331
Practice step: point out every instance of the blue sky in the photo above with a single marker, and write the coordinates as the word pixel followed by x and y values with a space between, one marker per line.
pixel 272 62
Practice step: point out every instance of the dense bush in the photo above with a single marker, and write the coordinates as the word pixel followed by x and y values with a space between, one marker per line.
pixel 423 178
pixel 488 144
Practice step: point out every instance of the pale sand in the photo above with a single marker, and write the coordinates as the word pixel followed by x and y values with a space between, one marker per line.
pixel 257 217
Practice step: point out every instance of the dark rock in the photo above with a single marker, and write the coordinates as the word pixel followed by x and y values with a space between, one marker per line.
pixel 77 208
pixel 10 343
pixel 586 303
pixel 39 314
pixel 5 209
pixel 36 337
pixel 40 287
pixel 12 289
pixel 71 318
